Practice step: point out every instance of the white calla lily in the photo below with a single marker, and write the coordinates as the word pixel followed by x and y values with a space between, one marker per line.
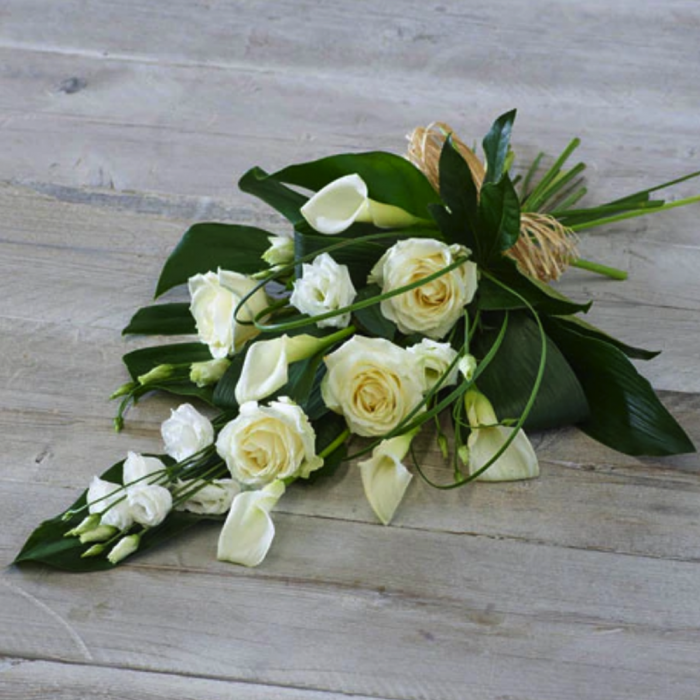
pixel 345 201
pixel 265 368
pixel 384 477
pixel 248 531
pixel 519 461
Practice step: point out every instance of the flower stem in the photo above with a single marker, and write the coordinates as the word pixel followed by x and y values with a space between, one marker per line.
pixel 329 449
pixel 612 272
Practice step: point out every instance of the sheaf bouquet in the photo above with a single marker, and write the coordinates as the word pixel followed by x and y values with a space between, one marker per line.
pixel 410 294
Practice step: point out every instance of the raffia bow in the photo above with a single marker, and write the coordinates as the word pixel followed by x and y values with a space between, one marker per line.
pixel 545 247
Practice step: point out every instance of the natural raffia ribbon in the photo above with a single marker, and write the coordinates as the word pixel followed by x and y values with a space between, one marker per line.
pixel 545 248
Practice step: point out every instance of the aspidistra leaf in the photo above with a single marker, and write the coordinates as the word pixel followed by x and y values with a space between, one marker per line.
pixel 206 247
pixel 162 319
pixel 495 145
pixel 625 413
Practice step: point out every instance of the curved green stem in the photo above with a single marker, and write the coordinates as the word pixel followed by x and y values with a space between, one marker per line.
pixel 612 272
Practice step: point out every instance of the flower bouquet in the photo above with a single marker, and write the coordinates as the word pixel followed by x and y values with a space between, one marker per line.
pixel 410 294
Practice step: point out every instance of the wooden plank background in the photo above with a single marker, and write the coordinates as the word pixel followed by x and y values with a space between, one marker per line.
pixel 123 122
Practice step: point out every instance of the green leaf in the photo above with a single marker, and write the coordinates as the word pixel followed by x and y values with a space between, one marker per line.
pixel 508 380
pixel 625 413
pixel 264 186
pixel 499 216
pixel 459 220
pixel 225 391
pixel 47 544
pixel 141 361
pixel 390 179
pixel 162 319
pixel 580 326
pixel 371 318
pixel 328 429
pixel 207 247
pixel 496 144
pixel 545 299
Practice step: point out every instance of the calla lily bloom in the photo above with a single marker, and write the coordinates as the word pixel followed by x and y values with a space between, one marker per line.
pixel 265 368
pixel 248 531
pixel 519 461
pixel 345 201
pixel 384 477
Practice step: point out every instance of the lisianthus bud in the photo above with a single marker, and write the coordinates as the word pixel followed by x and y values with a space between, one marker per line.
pixel 87 524
pixel 467 366
pixel 157 374
pixel 99 534
pixel 206 373
pixel 280 252
pixel 124 548
pixel 94 551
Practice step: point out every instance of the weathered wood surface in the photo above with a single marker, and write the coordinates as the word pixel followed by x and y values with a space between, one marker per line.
pixel 122 123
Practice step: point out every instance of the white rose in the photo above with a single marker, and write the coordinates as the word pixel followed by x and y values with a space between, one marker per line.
pixel 138 468
pixel 373 383
pixel 186 432
pixel 280 252
pixel 215 297
pixel 104 495
pixel 209 372
pixel 248 531
pixel 324 286
pixel 434 359
pixel 519 461
pixel 271 442
pixel 213 499
pixel 149 504
pixel 432 308
pixel 345 201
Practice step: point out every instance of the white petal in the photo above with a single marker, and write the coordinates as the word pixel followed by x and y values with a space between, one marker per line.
pixel 519 461
pixel 248 531
pixel 384 478
pixel 338 205
pixel 264 370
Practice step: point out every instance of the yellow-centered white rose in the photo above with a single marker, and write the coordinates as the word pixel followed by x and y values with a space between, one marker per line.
pixel 248 531
pixel 519 461
pixel 345 201
pixel 384 477
pixel 186 432
pixel 324 286
pixel 373 383
pixel 432 308
pixel 215 296
pixel 271 442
